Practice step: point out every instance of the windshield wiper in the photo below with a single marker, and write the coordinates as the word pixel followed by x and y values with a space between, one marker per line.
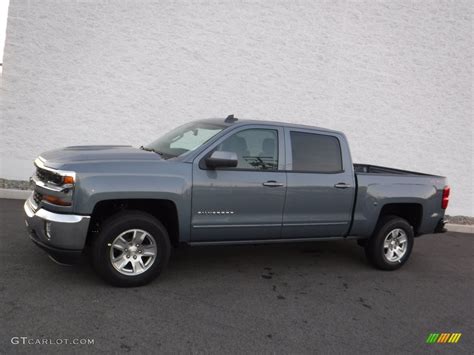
pixel 151 150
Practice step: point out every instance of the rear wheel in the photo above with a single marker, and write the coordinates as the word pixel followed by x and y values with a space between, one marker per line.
pixel 131 250
pixel 391 245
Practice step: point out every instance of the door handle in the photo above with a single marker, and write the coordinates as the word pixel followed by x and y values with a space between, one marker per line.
pixel 342 185
pixel 272 183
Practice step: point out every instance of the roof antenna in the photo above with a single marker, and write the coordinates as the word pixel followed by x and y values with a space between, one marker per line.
pixel 230 119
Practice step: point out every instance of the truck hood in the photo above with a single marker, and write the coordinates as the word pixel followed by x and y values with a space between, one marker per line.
pixel 95 153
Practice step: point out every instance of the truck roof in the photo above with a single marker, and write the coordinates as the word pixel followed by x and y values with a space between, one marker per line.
pixel 242 122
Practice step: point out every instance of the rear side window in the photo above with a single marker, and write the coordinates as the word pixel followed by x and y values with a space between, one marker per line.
pixel 315 153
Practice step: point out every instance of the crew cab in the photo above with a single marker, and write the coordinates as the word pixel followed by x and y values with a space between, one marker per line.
pixel 224 181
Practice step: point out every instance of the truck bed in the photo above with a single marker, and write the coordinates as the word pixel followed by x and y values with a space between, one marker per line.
pixel 375 169
pixel 379 186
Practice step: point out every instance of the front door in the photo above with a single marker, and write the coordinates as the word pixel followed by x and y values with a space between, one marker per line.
pixel 245 202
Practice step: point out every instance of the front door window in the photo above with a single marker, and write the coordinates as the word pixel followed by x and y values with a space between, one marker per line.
pixel 255 148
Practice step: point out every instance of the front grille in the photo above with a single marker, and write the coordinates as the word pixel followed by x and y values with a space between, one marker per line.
pixel 37 197
pixel 48 176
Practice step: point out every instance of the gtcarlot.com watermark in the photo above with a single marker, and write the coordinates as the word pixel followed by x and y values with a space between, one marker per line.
pixel 51 341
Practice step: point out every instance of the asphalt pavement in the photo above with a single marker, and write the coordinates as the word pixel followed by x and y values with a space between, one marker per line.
pixel 284 299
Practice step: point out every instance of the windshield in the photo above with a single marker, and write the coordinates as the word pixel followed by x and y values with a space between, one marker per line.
pixel 184 139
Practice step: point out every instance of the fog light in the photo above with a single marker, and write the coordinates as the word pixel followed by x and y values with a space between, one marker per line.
pixel 47 229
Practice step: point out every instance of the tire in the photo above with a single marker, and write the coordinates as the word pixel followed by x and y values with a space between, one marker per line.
pixel 362 242
pixel 135 264
pixel 385 249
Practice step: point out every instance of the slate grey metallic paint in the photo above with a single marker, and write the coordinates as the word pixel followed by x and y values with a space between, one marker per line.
pixel 377 190
pixel 257 208
pixel 314 207
pixel 306 205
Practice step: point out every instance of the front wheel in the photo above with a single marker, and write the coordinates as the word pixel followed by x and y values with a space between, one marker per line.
pixel 391 245
pixel 131 250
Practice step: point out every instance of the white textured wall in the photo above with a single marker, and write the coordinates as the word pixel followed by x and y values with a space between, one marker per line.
pixel 395 76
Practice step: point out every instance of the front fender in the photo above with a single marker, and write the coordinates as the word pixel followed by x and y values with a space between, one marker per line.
pixel 174 185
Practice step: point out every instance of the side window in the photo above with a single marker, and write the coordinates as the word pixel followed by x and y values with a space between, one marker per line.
pixel 255 148
pixel 315 152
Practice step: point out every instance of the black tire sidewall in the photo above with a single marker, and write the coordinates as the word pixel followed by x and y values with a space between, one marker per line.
pixel 113 228
pixel 375 249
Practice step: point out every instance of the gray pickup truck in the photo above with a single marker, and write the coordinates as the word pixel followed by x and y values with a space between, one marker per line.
pixel 224 181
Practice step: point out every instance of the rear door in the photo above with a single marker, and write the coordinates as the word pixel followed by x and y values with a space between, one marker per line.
pixel 320 184
pixel 246 202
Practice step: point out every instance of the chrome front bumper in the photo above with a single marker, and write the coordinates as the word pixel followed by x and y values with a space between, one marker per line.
pixel 56 230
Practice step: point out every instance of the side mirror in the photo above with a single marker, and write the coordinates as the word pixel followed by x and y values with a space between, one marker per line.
pixel 222 159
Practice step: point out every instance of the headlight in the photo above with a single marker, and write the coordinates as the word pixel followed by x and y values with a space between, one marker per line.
pixel 54 177
pixel 52 185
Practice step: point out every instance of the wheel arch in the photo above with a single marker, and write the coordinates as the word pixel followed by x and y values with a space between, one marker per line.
pixel 412 212
pixel 162 209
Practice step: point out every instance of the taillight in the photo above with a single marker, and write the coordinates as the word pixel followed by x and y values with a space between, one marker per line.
pixel 445 200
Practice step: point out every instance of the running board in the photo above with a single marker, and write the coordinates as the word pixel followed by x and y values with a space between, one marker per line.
pixel 269 241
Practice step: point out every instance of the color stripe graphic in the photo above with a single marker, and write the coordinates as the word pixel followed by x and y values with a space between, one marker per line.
pixel 442 338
